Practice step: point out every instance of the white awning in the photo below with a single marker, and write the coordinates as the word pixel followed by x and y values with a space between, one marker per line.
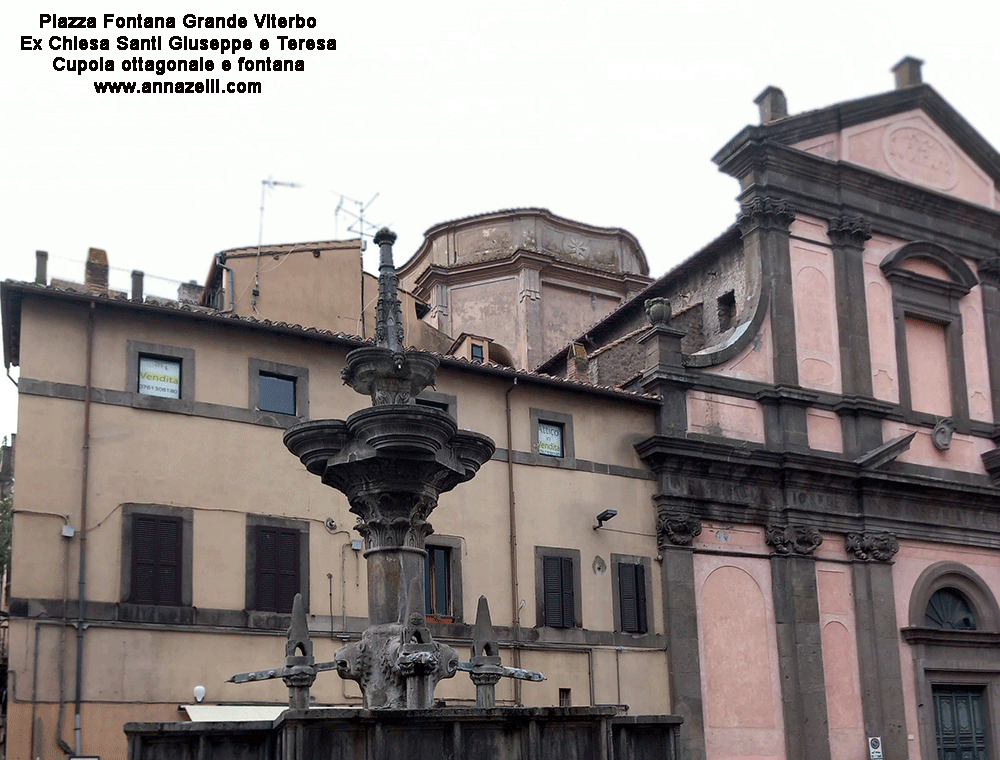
pixel 231 713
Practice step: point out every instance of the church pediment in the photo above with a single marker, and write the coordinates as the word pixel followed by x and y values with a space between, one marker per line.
pixel 912 147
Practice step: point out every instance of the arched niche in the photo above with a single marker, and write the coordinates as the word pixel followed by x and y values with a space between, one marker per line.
pixel 961 278
pixel 953 575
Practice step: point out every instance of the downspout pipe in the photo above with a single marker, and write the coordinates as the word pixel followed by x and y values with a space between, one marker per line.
pixel 82 594
pixel 512 508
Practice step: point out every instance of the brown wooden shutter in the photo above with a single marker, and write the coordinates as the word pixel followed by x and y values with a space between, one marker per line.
pixel 559 600
pixel 143 560
pixel 552 589
pixel 288 569
pixel 277 569
pixel 168 590
pixel 156 560
pixel 632 597
pixel 568 601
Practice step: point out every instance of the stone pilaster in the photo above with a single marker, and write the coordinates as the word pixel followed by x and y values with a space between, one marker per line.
pixel 862 430
pixel 680 613
pixel 989 278
pixel 800 647
pixel 878 640
pixel 764 223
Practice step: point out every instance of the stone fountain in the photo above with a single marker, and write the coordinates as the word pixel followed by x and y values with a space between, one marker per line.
pixel 392 461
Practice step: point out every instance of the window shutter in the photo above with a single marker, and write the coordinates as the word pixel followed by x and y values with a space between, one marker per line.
pixel 640 598
pixel 169 575
pixel 156 560
pixel 627 597
pixel 552 581
pixel 567 593
pixel 632 597
pixel 143 560
pixel 276 574
pixel 288 569
pixel 267 569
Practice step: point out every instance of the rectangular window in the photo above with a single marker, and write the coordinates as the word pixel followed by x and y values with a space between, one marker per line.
pixel 277 570
pixel 159 376
pixel 276 394
pixel 156 560
pixel 437 583
pixel 477 352
pixel 558 585
pixel 550 439
pixel 632 597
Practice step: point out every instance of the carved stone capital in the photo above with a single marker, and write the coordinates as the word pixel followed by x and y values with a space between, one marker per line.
pixel 850 231
pixel 392 520
pixel 989 271
pixel 766 213
pixel 792 539
pixel 869 546
pixel 676 528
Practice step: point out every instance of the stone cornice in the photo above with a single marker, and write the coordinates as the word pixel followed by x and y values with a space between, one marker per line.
pixel 551 267
pixel 941 637
pixel 712 480
pixel 892 206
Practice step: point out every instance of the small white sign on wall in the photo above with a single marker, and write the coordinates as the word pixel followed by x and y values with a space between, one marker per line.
pixel 159 377
pixel 550 442
pixel 875 748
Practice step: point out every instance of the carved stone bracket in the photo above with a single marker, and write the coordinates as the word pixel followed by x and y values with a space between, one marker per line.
pixel 766 213
pixel 989 271
pixel 942 434
pixel 792 539
pixel 850 231
pixel 676 528
pixel 868 546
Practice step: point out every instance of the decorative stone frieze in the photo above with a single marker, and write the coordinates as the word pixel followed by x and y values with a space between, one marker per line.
pixel 792 539
pixel 869 546
pixel 766 213
pixel 676 528
pixel 852 230
pixel 989 271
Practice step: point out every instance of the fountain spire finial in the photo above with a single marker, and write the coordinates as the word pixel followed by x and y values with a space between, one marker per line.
pixel 388 313
pixel 387 371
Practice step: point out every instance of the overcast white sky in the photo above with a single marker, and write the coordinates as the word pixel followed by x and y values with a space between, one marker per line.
pixel 604 112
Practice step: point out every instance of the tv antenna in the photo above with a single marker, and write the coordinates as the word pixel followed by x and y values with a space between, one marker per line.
pixel 265 184
pixel 359 226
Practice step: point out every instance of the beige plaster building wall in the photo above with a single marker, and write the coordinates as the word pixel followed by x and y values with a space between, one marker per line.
pixel 211 455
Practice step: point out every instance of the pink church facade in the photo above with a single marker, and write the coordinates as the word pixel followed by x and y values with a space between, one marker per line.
pixel 826 451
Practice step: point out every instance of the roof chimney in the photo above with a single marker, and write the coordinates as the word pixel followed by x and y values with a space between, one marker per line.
pixel 907 72
pixel 41 267
pixel 96 273
pixel 137 277
pixel 772 104
pixel 190 292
